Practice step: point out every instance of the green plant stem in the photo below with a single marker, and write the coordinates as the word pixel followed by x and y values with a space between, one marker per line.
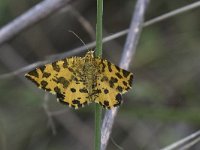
pixel 98 53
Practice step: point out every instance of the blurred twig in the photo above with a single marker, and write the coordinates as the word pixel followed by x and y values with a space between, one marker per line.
pixel 185 143
pixel 34 15
pixel 48 113
pixel 128 53
pixel 84 22
pixel 124 32
pixel 106 39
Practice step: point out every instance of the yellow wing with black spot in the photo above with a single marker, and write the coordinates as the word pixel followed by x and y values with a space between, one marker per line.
pixel 60 78
pixel 106 96
pixel 117 78
pixel 112 82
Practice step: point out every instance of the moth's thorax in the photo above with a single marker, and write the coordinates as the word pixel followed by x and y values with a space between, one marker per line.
pixel 90 69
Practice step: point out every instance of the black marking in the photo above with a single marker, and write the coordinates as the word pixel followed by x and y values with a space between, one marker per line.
pixel 61 101
pixel 60 96
pixel 104 78
pixel 79 98
pixel 76 79
pixel 85 103
pixel 75 101
pixel 42 68
pixel 119 69
pixel 44 84
pixel 34 73
pixel 65 64
pixel 63 81
pixel 57 89
pixel 73 90
pixel 125 73
pixel 106 103
pixel 109 66
pixel 119 88
pixel 119 97
pixel 114 80
pixel 118 75
pixel 130 81
pixel 93 86
pixel 103 106
pixel 111 84
pixel 97 91
pixel 28 77
pixel 125 83
pixel 47 89
pixel 103 66
pixel 55 66
pixel 46 75
pixel 70 69
pixel 108 107
pixel 106 91
pixel 83 90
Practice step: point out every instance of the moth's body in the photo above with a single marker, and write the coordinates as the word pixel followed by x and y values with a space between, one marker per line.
pixel 80 80
pixel 87 71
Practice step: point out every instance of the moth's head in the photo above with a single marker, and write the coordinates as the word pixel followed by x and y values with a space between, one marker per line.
pixel 89 55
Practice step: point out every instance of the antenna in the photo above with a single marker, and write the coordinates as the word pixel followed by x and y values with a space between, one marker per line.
pixel 79 38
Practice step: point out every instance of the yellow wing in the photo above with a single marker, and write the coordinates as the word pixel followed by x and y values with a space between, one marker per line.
pixel 60 78
pixel 112 82
pixel 117 78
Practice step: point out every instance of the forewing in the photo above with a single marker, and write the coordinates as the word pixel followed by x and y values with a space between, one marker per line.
pixel 115 77
pixel 60 78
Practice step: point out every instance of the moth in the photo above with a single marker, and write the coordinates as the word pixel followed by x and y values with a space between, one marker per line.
pixel 77 81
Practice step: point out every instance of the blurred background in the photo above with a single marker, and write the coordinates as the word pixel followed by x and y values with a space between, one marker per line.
pixel 162 107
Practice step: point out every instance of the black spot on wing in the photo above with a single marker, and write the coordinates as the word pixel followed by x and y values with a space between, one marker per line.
pixel 55 66
pixel 125 83
pixel 112 81
pixel 111 84
pixel 118 97
pixel 106 91
pixel 44 84
pixel 130 81
pixel 62 81
pixel 125 73
pixel 57 89
pixel 73 90
pixel 63 102
pixel 70 69
pixel 75 101
pixel 118 75
pixel 119 88
pixel 65 63
pixel 118 69
pixel 34 73
pixel 109 66
pixel 28 77
pixel 60 96
pixel 86 102
pixel 83 90
pixel 104 78
pixel 42 68
pixel 46 75
pixel 106 103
